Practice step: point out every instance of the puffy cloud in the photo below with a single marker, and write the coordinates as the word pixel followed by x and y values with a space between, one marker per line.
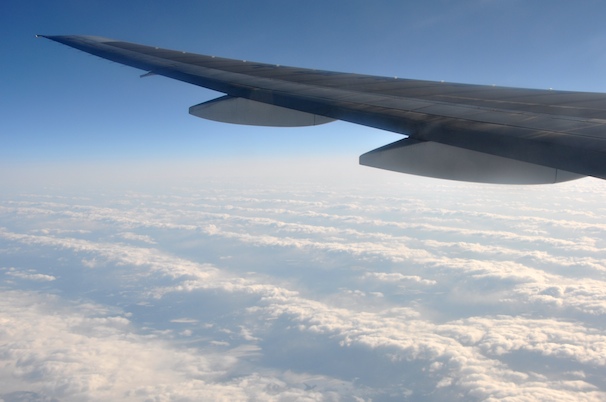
pixel 137 237
pixel 279 293
pixel 61 350
pixel 29 274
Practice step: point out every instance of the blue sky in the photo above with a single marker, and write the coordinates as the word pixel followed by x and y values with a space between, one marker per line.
pixel 61 105
pixel 146 254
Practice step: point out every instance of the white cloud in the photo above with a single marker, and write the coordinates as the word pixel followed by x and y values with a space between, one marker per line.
pixel 29 274
pixel 437 292
pixel 59 350
pixel 137 237
pixel 398 277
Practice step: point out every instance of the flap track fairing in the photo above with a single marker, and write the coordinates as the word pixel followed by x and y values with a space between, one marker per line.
pixel 432 159
pixel 229 109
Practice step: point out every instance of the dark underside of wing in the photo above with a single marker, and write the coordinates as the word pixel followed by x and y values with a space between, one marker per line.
pixel 563 132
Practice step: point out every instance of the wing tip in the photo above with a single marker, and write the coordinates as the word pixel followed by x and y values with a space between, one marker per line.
pixel 65 38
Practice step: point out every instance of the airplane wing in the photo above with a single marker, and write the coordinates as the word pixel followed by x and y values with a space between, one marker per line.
pixel 452 131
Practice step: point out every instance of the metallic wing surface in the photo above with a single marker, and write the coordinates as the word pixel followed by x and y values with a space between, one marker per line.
pixel 453 131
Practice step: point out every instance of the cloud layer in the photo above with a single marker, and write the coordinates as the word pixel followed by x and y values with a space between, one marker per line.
pixel 248 291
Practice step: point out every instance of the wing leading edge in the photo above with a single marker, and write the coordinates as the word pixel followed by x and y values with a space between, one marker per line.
pixel 455 131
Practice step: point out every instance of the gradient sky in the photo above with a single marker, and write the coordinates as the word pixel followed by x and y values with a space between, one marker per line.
pixel 146 254
pixel 59 105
